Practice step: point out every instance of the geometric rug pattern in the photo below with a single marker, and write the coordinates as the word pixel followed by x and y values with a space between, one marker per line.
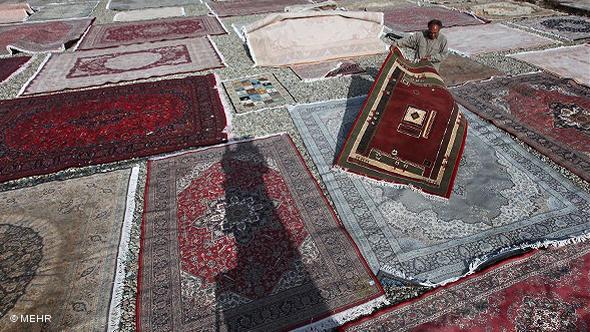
pixel 545 291
pixel 58 249
pixel 550 114
pixel 49 133
pixel 256 93
pixel 503 197
pixel 239 237
pixel 124 63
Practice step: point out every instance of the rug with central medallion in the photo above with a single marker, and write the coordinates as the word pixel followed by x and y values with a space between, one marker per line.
pixel 45 134
pixel 545 291
pixel 504 198
pixel 550 114
pixel 407 107
pixel 240 238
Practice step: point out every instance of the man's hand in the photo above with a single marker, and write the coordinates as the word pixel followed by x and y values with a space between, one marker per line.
pixel 426 58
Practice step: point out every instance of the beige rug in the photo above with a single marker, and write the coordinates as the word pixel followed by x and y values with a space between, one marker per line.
pixel 125 63
pixel 503 10
pixel 13 13
pixel 149 14
pixel 472 40
pixel 60 241
pixel 457 70
pixel 293 38
pixel 568 62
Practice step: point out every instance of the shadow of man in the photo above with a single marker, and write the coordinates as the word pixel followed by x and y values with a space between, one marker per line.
pixel 359 86
pixel 265 281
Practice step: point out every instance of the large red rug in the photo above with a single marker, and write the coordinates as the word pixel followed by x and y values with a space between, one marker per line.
pixel 240 238
pixel 8 66
pixel 41 37
pixel 49 133
pixel 409 130
pixel 116 34
pixel 545 291
pixel 548 113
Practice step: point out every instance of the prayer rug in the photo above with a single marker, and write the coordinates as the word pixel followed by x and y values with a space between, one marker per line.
pixel 566 27
pixel 240 238
pixel 116 34
pixel 41 36
pixel 251 7
pixel 45 134
pixel 456 69
pixel 569 62
pixel 413 18
pixel 503 10
pixel 257 93
pixel 141 4
pixel 10 66
pixel 314 36
pixel 124 63
pixel 504 197
pixel 545 291
pixel 149 14
pixel 14 12
pixel 319 70
pixel 408 106
pixel 473 40
pixel 59 244
pixel 550 114
pixel 62 11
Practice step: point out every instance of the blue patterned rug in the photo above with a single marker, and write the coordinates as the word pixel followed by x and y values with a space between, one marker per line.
pixel 504 198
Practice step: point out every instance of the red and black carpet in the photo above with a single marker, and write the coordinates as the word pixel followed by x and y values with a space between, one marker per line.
pixel 240 238
pixel 45 134
pixel 550 114
pixel 409 130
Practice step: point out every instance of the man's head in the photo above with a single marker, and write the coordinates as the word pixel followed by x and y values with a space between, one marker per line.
pixel 434 27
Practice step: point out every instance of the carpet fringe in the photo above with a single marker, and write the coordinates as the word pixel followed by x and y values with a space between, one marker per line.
pixel 239 32
pixel 478 262
pixel 348 315
pixel 217 51
pixel 75 48
pixel 118 289
pixel 28 82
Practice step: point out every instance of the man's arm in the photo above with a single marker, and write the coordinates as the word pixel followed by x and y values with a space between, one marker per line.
pixel 409 41
pixel 444 52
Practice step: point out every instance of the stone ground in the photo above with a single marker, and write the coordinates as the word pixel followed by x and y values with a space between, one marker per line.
pixel 251 124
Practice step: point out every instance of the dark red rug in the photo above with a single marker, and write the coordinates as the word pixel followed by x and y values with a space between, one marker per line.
pixel 45 134
pixel 414 18
pixel 548 113
pixel 9 65
pixel 545 291
pixel 409 130
pixel 240 238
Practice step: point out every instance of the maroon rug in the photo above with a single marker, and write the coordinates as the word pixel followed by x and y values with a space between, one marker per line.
pixel 548 113
pixel 543 291
pixel 8 66
pixel 250 7
pixel 240 238
pixel 42 36
pixel 116 34
pixel 45 134
pixel 413 18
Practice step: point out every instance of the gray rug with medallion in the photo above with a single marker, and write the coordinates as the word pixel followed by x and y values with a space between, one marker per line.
pixel 504 198
pixel 566 27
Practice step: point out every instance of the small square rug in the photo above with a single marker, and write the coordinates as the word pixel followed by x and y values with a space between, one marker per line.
pixel 257 93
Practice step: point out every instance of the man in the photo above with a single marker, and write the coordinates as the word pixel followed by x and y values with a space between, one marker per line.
pixel 429 45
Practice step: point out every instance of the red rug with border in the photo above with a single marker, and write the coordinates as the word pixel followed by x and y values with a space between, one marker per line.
pixel 8 66
pixel 541 291
pixel 414 18
pixel 240 238
pixel 409 130
pixel 548 113
pixel 45 134
pixel 251 7
pixel 124 33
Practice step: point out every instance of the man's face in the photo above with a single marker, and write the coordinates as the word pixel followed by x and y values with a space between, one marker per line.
pixel 433 31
